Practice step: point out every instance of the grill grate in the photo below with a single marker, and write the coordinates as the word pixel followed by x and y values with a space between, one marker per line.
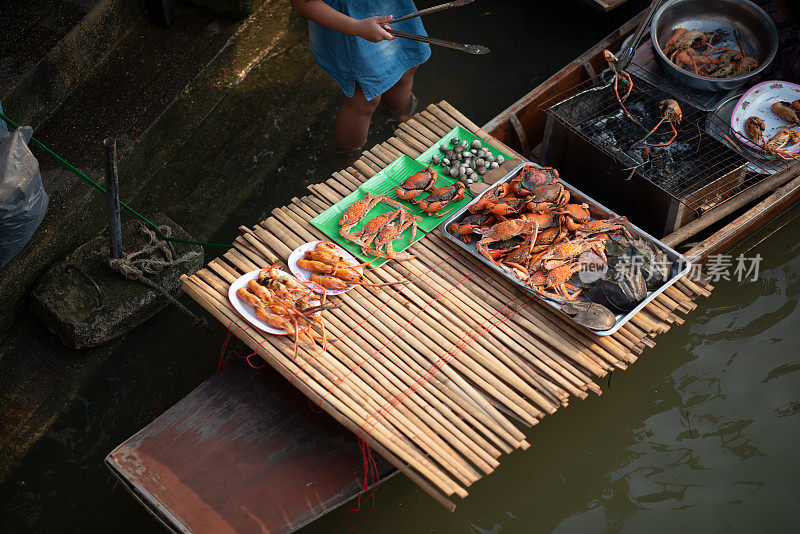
pixel 699 170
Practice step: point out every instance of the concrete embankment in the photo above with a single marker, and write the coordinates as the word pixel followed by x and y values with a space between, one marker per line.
pixel 209 113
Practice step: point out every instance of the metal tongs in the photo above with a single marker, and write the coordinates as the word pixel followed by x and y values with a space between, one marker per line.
pixel 434 9
pixel 626 55
pixel 468 48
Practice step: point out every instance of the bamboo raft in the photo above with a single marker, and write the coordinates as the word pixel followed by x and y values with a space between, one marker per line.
pixel 433 375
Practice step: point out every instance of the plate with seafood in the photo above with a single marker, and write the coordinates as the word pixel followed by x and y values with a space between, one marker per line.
pixel 248 296
pixel 766 109
pixel 327 266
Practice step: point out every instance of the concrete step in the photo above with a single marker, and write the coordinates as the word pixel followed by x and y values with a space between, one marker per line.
pixel 165 94
pixel 48 49
pixel 87 304
pixel 151 91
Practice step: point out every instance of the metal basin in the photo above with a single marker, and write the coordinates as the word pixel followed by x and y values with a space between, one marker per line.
pixel 680 265
pixel 758 32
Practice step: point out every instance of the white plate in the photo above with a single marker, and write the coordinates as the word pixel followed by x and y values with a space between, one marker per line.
pixel 757 101
pixel 718 126
pixel 304 274
pixel 246 310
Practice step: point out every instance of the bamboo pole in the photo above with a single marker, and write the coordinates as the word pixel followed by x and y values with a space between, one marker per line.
pixel 486 377
pixel 389 370
pixel 337 408
pixel 491 361
pixel 450 308
pixel 427 247
pixel 578 392
pixel 431 247
pixel 379 324
pixel 392 274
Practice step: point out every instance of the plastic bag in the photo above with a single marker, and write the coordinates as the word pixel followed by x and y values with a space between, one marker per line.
pixel 3 125
pixel 23 201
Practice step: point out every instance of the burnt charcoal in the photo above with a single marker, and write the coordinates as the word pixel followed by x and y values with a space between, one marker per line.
pixel 689 164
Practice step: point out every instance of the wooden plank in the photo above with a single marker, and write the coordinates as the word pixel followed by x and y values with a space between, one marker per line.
pixel 750 221
pixel 241 453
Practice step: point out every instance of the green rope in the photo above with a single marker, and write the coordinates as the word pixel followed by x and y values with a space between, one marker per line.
pixel 67 165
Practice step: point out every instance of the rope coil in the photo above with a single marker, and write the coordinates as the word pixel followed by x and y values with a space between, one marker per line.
pixel 157 256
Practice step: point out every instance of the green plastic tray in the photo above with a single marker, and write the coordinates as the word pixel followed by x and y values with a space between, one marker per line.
pixel 383 183
pixel 462 134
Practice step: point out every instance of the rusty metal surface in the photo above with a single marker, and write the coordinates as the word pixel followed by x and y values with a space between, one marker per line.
pixel 242 453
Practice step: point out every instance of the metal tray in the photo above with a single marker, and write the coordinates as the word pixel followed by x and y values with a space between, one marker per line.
pixel 680 265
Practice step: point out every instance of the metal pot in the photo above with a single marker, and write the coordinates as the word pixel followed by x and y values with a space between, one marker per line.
pixel 758 32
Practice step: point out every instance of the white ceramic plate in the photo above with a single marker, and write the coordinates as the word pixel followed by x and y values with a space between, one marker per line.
pixel 304 275
pixel 247 311
pixel 718 126
pixel 757 101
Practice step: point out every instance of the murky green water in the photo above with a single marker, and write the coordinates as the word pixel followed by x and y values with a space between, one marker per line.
pixel 698 435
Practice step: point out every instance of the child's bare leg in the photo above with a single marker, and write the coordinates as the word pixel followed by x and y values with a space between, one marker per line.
pixel 352 122
pixel 395 99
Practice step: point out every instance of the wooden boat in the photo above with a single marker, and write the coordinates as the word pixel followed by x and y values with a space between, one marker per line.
pixel 264 462
pixel 522 127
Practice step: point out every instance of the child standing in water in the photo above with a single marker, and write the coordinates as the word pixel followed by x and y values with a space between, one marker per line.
pixel 350 43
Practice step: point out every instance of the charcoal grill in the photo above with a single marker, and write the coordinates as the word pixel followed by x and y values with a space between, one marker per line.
pixel 589 138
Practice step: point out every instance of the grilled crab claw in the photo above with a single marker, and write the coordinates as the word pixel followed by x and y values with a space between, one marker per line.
pixel 469 224
pixel 507 206
pixel 575 215
pixel 602 226
pixel 416 184
pixel 490 197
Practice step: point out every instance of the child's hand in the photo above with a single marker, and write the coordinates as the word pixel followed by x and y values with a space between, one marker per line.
pixel 373 29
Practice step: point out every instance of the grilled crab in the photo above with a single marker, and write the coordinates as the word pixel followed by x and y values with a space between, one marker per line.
pixel 416 184
pixel 441 198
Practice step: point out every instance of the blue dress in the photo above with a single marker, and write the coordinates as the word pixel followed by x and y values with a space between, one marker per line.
pixel 374 66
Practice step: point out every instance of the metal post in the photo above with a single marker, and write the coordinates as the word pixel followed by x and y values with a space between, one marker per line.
pixel 112 194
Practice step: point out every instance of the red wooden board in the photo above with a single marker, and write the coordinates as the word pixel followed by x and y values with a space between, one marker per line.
pixel 242 453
